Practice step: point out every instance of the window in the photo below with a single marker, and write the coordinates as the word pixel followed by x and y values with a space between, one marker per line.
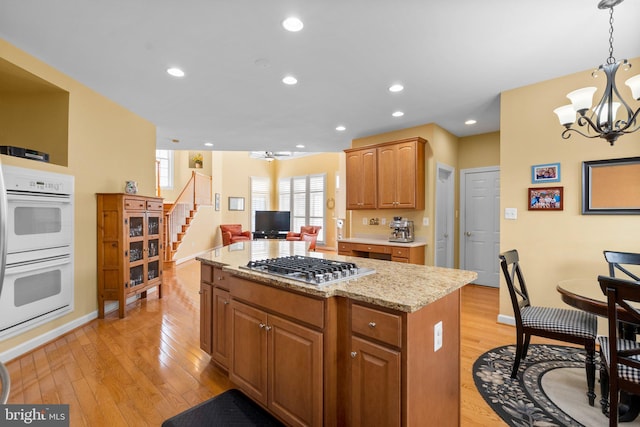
pixel 304 196
pixel 260 197
pixel 165 168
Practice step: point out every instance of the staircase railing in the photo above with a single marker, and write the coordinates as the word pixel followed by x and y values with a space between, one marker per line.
pixel 196 192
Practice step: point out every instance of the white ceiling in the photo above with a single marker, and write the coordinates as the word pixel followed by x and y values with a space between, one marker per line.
pixel 454 57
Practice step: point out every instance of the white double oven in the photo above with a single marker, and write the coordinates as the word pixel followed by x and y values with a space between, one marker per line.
pixel 36 246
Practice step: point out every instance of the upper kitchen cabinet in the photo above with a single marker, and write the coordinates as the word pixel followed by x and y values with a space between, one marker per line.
pixel 401 174
pixel 386 176
pixel 34 114
pixel 361 178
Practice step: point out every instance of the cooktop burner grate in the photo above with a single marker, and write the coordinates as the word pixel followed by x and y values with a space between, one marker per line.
pixel 316 271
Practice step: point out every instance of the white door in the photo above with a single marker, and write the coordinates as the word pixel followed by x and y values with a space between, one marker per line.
pixel 480 223
pixel 444 222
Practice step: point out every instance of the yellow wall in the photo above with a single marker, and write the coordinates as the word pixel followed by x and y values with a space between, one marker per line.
pixel 479 151
pixel 107 145
pixel 560 245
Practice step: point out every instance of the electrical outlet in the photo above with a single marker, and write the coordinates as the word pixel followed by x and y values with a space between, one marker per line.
pixel 383 221
pixel 437 336
pixel 425 221
pixel 365 221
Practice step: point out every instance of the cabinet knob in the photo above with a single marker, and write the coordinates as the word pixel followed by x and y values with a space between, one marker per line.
pixel 199 292
pixel 372 324
pixel 267 328
pixel 354 354
pixel 220 277
pixel 226 302
pixel 262 325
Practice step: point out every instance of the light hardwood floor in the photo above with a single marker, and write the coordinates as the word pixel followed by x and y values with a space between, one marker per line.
pixel 147 367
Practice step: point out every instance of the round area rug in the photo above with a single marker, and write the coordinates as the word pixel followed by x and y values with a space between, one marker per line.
pixel 523 401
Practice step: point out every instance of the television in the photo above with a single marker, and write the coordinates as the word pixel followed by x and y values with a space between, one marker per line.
pixel 272 223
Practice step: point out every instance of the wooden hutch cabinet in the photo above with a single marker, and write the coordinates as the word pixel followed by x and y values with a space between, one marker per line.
pixel 130 247
pixel 386 176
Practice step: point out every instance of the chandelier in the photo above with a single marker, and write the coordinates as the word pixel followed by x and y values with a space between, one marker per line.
pixel 602 121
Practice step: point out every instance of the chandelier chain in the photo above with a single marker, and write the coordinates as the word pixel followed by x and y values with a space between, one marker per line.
pixel 611 59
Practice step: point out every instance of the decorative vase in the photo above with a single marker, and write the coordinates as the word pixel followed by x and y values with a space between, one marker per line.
pixel 131 187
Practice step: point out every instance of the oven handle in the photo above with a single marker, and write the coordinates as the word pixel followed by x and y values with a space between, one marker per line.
pixel 25 267
pixel 38 197
pixel 3 229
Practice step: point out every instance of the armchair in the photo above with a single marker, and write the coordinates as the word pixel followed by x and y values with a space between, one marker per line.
pixel 232 233
pixel 307 233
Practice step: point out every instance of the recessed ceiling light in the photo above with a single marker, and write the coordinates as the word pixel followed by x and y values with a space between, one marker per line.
pixel 208 144
pixel 175 72
pixel 341 128
pixel 398 114
pixel 289 80
pixel 300 146
pixel 396 88
pixel 471 122
pixel 292 24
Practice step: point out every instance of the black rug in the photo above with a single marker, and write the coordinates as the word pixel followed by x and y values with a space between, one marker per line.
pixel 522 401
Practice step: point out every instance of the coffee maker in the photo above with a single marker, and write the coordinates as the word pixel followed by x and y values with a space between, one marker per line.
pixel 401 230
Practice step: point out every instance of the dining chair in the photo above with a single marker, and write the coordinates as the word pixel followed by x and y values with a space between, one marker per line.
pixel 619 357
pixel 573 326
pixel 618 260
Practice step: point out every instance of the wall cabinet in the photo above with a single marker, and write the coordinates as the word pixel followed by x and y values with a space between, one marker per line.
pixel 396 179
pixel 361 165
pixel 130 249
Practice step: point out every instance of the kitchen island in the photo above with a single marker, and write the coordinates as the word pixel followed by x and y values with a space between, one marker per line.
pixel 381 349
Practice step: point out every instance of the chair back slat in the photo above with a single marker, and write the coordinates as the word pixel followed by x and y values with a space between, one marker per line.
pixel 617 260
pixel 510 264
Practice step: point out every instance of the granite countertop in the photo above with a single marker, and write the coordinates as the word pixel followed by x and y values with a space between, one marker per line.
pixel 381 241
pixel 398 286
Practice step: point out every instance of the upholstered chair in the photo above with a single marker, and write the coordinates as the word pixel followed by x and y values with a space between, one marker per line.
pixel 232 233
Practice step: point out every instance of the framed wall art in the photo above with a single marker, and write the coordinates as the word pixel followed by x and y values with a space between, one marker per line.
pixel 611 187
pixel 549 172
pixel 236 203
pixel 546 199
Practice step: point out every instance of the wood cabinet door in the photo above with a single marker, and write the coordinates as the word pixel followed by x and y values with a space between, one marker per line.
pixel 375 385
pixel 361 172
pixel 295 372
pixel 405 175
pixel 206 299
pixel 221 329
pixel 248 364
pixel 387 176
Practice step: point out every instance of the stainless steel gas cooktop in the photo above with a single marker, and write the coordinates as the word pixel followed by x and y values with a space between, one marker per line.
pixel 313 271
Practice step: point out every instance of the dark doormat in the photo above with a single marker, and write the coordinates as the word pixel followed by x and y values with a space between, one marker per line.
pixel 231 408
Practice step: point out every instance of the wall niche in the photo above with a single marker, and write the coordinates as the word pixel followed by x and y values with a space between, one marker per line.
pixel 34 113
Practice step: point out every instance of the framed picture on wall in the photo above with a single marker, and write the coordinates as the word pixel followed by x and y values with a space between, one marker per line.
pixel 546 199
pixel 611 187
pixel 549 172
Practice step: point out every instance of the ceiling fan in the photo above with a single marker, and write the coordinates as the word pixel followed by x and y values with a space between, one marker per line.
pixel 270 155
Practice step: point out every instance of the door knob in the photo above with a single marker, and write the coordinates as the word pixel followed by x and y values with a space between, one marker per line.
pixel 468 233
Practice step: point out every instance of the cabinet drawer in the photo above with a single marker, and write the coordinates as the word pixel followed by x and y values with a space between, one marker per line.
pixel 400 252
pixel 206 273
pixel 376 249
pixel 135 204
pixel 220 278
pixel 299 307
pixel 377 324
pixel 154 205
pixel 344 247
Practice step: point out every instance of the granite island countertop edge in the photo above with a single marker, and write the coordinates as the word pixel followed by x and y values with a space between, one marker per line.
pixel 380 289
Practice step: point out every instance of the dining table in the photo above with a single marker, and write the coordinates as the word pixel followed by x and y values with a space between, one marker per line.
pixel 585 294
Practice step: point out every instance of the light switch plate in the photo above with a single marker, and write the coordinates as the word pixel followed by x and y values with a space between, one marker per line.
pixel 510 213
pixel 365 221
pixel 425 221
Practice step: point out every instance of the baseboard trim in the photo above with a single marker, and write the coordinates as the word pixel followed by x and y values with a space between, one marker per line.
pixel 508 320
pixel 51 335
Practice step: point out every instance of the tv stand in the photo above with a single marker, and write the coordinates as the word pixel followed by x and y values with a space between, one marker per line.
pixel 269 235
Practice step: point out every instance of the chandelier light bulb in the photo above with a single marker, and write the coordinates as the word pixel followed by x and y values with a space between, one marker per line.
pixel 566 114
pixel 582 99
pixel 634 84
